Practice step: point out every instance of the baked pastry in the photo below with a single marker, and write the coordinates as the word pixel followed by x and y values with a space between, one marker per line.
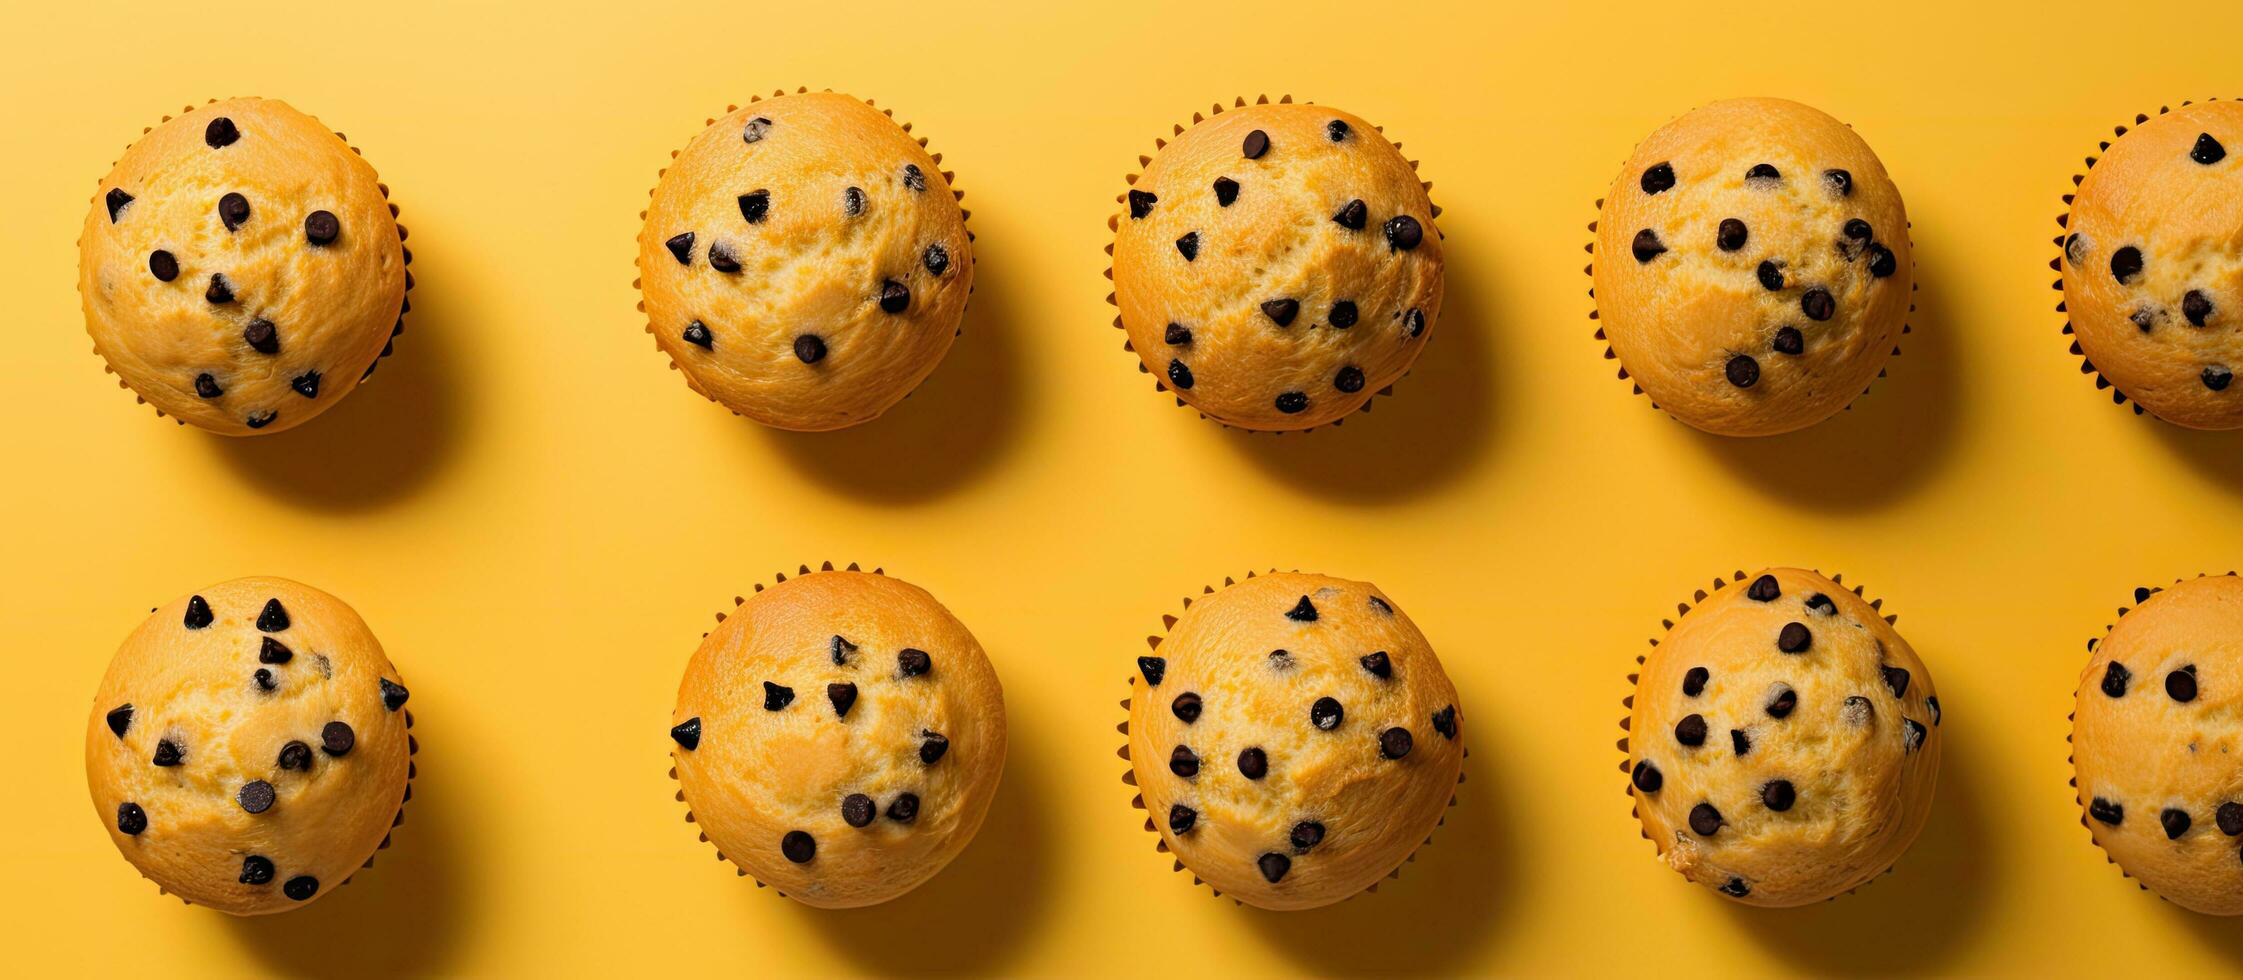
pixel 2154 742
pixel 2152 265
pixel 804 261
pixel 1276 264
pixel 839 737
pixel 242 268
pixel 1293 739
pixel 1784 740
pixel 1753 268
pixel 248 747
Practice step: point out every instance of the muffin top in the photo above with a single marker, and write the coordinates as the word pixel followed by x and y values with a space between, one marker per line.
pixel 2153 265
pixel 241 267
pixel 1784 741
pixel 839 737
pixel 2155 736
pixel 1294 739
pixel 805 262
pixel 1753 267
pixel 248 749
pixel 1277 265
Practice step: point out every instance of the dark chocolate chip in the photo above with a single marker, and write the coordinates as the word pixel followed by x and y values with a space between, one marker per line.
pixel 220 133
pixel 1691 730
pixel 1403 233
pixel 1742 371
pixel 1413 322
pixel 895 297
pixel 1859 230
pixel 1181 818
pixel 2216 377
pixel 1326 714
pixel 261 336
pixel 1379 664
pixel 1444 721
pixel 934 258
pixel 1896 678
pixel 1343 314
pixel 1912 734
pixel 798 846
pixel 1647 246
pixel 697 334
pixel 1789 341
pixel 721 258
pixel 337 739
pixel 776 697
pixel 1646 776
pixel 852 201
pixel 295 757
pixel 259 420
pixel 1307 834
pixel 257 870
pixel 116 200
pixel 1932 703
pixel 2075 248
pixel 1731 235
pixel 233 210
pixel 932 746
pixel 306 384
pixel 809 348
pixel 2126 263
pixel 2196 306
pixel 1881 261
pixel 1821 605
pixel 265 679
pixel 688 733
pixel 1187 707
pixel 914 178
pixel 322 228
pixel 2180 685
pixel 131 819
pixel 1658 177
pixel 1253 763
pixel 1154 668
pixel 1256 144
pixel 272 651
pixel 843 697
pixel 755 206
pixel 1226 191
pixel 301 888
pixel 394 695
pixel 163 265
pixel 1303 611
pixel 1794 638
pixel 1763 171
pixel 1735 887
pixel 1179 375
pixel 1857 710
pixel 198 613
pixel 904 808
pixel 1782 704
pixel 1178 335
pixel 2174 821
pixel 1353 215
pixel 1818 304
pixel 273 618
pixel 1141 203
pixel 1336 130
pixel 1281 311
pixel 1764 589
pixel 1779 795
pixel 120 719
pixel 1705 821
pixel 220 292
pixel 754 131
pixel 1771 275
pixel 207 386
pixel 912 662
pixel 1184 762
pixel 2207 150
pixel 2230 818
pixel 2107 811
pixel 1274 866
pixel 1395 743
pixel 857 810
pixel 1349 380
pixel 167 754
pixel 841 649
pixel 1739 742
pixel 1292 402
pixel 255 796
pixel 1840 181
pixel 1188 246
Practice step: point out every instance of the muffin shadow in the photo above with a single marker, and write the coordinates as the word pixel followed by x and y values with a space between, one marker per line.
pixel 382 441
pixel 2217 933
pixel 959 422
pixel 976 915
pixel 1439 420
pixel 2218 456
pixel 1889 442
pixel 1909 922
pixel 1434 919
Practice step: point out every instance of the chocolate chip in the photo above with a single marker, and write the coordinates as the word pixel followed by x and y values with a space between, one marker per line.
pixel 1403 233
pixel 220 133
pixel 1379 664
pixel 1658 177
pixel 120 719
pixel 1274 866
pixel 1141 203
pixel 2216 377
pixel 841 649
pixel 1256 144
pixel 895 297
pixel 1932 703
pixel 688 733
pixel 1179 375
pixel 1307 834
pixel 1742 371
pixel 322 227
pixel 754 131
pixel 1187 707
pixel 1912 734
pixel 1336 130
pixel 1821 605
pixel 131 819
pixel 2230 818
pixel 167 754
pixel 1188 246
pixel 1413 322
pixel 852 201
pixel 2207 150
pixel 914 178
pixel 776 697
pixel 272 651
pixel 935 258
pixel 295 757
pixel 857 810
pixel 1739 742
pixel 1394 743
pixel 911 662
pixel 2180 685
pixel 1326 714
pixel 1794 638
pixel 1280 660
pixel 257 870
pixel 394 695
pixel 259 420
pixel 261 336
pixel 255 796
pixel 1181 818
pixel 1646 776
pixel 2126 263
pixel 1817 304
pixel 1779 795
pixel 163 265
pixel 697 334
pixel 2174 821
pixel 1303 611
pixel 1840 181
pixel 1253 763
pixel 1771 275
pixel 932 745
pixel 842 695
pixel 798 847
pixel 1731 235
pixel 1763 171
pixel 1226 191
pixel 273 618
pixel 198 613
pixel 1353 215
pixel 809 348
pixel 306 384
pixel 904 808
pixel 1343 314
pixel 1647 246
pixel 1691 730
pixel 1857 710
pixel 1292 402
pixel 265 679
pixel 337 739
pixel 755 206
pixel 116 201
pixel 1764 589
pixel 2107 811
pixel 220 293
pixel 207 386
pixel 1782 704
pixel 2075 248
pixel 1705 821
pixel 2197 307
pixel 1444 721
pixel 1789 341
pixel 1694 681
pixel 233 210
pixel 1881 261
pixel 1184 762
pixel 721 258
pixel 300 888
pixel 1735 887
pixel 1178 335
pixel 1896 678
pixel 1859 230
pixel 1154 668
pixel 1281 311
pixel 1349 380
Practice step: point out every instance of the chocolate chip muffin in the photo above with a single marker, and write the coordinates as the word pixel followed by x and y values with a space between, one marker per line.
pixel 248 748
pixel 1784 740
pixel 1293 739
pixel 2152 265
pixel 839 736
pixel 1752 267
pixel 1276 265
pixel 242 268
pixel 2155 742
pixel 805 261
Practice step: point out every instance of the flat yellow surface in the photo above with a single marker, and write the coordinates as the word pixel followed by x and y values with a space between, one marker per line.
pixel 539 519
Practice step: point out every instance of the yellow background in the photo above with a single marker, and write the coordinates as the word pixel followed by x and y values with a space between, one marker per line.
pixel 539 519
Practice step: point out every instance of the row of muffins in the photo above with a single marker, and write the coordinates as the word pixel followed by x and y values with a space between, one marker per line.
pixel 805 261
pixel 1292 739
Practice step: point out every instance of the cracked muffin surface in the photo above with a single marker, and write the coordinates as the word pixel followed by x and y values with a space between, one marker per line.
pixel 1294 739
pixel 248 747
pixel 2153 265
pixel 1752 267
pixel 804 262
pixel 2157 748
pixel 241 268
pixel 1276 265
pixel 839 736
pixel 1783 741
